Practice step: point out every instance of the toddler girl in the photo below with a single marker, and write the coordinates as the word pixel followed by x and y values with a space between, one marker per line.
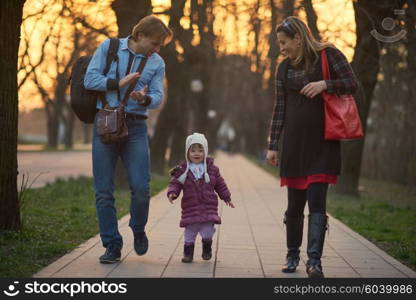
pixel 199 202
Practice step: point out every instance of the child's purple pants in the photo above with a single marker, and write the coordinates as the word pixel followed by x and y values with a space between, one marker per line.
pixel 205 229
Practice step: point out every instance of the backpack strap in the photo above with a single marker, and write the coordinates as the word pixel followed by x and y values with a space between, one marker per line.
pixel 111 56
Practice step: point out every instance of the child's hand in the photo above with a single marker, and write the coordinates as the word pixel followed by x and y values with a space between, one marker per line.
pixel 172 196
pixel 230 204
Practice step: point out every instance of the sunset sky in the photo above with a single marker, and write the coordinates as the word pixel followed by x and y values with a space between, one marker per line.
pixel 335 21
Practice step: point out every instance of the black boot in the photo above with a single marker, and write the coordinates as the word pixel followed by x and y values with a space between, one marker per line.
pixel 206 249
pixel 188 253
pixel 141 243
pixel 316 237
pixel 294 233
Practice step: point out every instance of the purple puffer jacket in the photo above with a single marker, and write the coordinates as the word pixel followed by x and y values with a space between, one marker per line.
pixel 199 201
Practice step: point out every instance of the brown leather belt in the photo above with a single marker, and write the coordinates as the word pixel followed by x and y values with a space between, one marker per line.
pixel 136 117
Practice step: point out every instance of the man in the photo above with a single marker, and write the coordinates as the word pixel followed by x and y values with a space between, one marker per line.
pixel 145 41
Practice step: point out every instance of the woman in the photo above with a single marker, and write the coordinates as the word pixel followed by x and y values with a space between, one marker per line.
pixel 308 162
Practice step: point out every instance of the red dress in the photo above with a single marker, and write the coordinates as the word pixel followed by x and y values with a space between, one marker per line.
pixel 302 182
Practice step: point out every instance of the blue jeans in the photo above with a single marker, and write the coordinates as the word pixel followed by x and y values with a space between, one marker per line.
pixel 135 156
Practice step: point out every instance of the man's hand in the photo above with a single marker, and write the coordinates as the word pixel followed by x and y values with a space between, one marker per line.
pixel 271 157
pixel 313 88
pixel 139 95
pixel 129 78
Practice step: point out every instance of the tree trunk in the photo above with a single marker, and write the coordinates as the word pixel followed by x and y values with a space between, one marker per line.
pixel 177 153
pixel 10 21
pixel 52 124
pixel 368 14
pixel 160 139
pixel 60 106
pixel 201 60
pixel 411 83
pixel 64 113
pixel 128 14
pixel 174 116
pixel 87 129
pixel 69 127
pixel 286 10
pixel 273 50
pixel 312 18
pixel 173 119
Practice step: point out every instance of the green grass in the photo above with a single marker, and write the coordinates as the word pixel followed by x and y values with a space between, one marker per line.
pixel 385 214
pixel 56 219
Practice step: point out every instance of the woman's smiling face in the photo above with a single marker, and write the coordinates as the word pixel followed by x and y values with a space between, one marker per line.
pixel 289 47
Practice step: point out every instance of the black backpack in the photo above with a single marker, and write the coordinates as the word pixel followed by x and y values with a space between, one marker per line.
pixel 83 101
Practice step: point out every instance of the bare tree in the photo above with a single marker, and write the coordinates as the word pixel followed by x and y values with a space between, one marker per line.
pixel 10 21
pixel 411 83
pixel 129 12
pixel 312 18
pixel 181 116
pixel 278 14
pixel 50 71
pixel 201 59
pixel 390 146
pixel 172 121
pixel 368 15
pixel 273 48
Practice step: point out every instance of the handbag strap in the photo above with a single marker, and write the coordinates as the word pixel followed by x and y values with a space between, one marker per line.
pixel 133 84
pixel 325 65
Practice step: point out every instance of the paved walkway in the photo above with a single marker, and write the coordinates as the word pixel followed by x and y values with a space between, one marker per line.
pixel 44 167
pixel 249 243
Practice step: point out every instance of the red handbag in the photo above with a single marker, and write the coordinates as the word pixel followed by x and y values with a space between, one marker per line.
pixel 342 121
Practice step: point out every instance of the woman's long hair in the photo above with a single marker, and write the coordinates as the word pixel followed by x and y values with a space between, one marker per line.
pixel 309 46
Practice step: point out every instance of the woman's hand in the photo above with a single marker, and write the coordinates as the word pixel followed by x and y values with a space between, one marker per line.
pixel 271 157
pixel 313 88
pixel 128 79
pixel 172 196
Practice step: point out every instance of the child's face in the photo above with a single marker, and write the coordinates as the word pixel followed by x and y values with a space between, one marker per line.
pixel 196 154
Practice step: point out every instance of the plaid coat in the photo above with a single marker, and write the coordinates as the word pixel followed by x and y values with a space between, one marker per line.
pixel 199 202
pixel 343 81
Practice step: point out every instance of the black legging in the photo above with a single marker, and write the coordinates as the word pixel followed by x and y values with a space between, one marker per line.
pixel 315 194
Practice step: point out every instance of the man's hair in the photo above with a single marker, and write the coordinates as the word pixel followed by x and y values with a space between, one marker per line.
pixel 151 26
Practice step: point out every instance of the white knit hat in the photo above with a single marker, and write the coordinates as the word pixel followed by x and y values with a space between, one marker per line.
pixel 196 138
